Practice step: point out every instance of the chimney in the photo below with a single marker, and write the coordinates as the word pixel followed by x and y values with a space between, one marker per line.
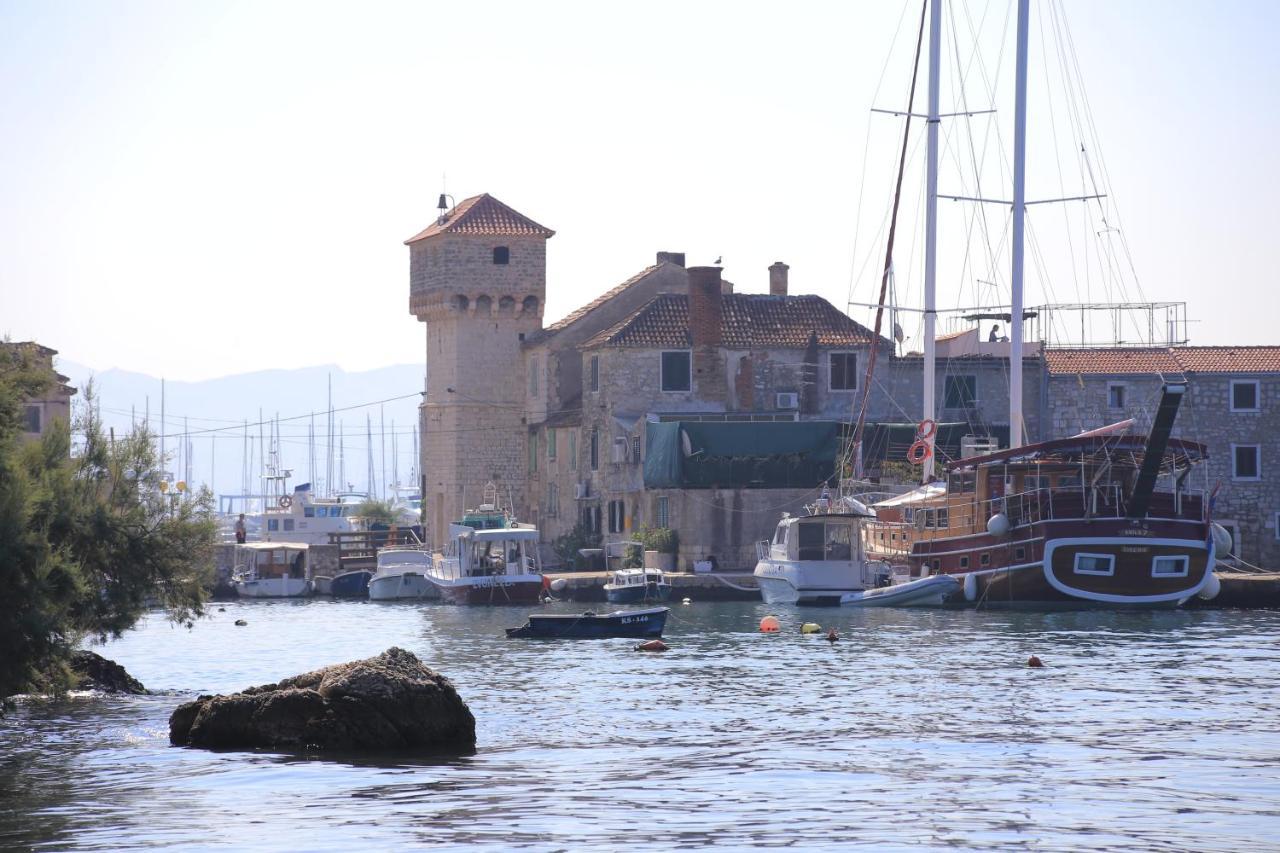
pixel 676 258
pixel 778 279
pixel 705 309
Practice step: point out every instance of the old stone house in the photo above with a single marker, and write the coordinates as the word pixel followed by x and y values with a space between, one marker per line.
pixel 55 403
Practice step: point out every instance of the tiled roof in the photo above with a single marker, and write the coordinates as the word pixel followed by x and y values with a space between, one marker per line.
pixel 484 215
pixel 749 320
pixel 1165 360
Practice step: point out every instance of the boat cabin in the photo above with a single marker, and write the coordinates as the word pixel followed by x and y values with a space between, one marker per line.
pixel 498 551
pixel 624 578
pixel 830 537
pixel 273 559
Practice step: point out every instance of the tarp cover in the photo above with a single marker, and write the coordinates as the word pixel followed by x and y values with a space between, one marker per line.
pixel 751 455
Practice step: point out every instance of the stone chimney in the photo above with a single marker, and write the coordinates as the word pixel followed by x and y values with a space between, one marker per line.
pixel 705 307
pixel 778 279
pixel 676 258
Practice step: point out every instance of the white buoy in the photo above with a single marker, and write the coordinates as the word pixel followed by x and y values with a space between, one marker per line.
pixel 687 601
pixel 970 587
pixel 1221 539
pixel 998 525
pixel 1212 586
pixel 559 584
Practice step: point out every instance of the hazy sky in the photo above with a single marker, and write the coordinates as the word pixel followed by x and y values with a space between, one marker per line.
pixel 196 189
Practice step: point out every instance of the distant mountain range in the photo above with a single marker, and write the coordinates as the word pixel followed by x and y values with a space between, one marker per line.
pixel 212 413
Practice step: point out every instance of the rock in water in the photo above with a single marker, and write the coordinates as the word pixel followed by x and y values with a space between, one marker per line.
pixel 391 701
pixel 94 672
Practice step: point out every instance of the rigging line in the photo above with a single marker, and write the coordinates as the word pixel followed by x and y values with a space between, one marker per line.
pixel 1057 159
pixel 302 417
pixel 893 226
pixel 854 273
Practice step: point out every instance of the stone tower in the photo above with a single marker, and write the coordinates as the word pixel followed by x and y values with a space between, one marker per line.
pixel 478 279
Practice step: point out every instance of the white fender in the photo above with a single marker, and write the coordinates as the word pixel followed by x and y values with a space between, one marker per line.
pixel 559 584
pixel 970 587
pixel 1212 586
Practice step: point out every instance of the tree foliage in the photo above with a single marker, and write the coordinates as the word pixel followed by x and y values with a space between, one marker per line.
pixel 374 511
pixel 87 542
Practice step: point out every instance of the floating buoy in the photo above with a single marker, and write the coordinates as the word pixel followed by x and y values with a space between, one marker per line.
pixel 687 601
pixel 558 585
pixel 970 587
pixel 770 625
pixel 652 646
pixel 1212 586
pixel 832 635
pixel 1034 661
pixel 222 610
pixel 241 622
pixel 811 628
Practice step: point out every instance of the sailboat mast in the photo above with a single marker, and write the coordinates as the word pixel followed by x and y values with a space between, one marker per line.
pixel 931 230
pixel 1016 431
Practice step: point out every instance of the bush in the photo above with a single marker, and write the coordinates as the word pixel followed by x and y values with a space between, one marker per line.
pixel 634 558
pixel 568 545
pixel 661 539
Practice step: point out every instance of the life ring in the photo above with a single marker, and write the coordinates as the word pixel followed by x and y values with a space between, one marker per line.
pixel 918 452
pixel 285 501
pixel 926 428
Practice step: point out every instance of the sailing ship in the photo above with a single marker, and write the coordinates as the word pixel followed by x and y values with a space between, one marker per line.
pixel 1074 522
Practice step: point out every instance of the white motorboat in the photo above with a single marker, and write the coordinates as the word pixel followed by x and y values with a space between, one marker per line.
pixel 494 566
pixel 303 517
pixel 272 570
pixel 818 558
pixel 401 574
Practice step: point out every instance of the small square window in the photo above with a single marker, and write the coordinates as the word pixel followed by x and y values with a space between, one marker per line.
pixel 677 371
pixel 937 565
pixel 1095 564
pixel 844 371
pixel 288 524
pixel 1245 462
pixel 595 373
pixel 986 558
pixel 1244 395
pixel 1019 553
pixel 964 562
pixel 308 512
pixel 1170 567
pixel 273 524
pixel 1115 396
pixel 501 255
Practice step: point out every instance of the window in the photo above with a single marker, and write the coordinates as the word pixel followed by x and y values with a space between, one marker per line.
pixel 533 377
pixel 573 450
pixel 1019 553
pixel 321 511
pixel 1115 396
pixel 533 453
pixel 811 541
pixel 844 371
pixel 959 392
pixel 1245 462
pixel 1244 395
pixel 676 371
pixel 273 524
pixel 635 450
pixel 964 562
pixel 501 255
pixel 308 512
pixel 942 518
pixel 1169 567
pixel 1095 564
pixel 617 519
pixel 553 500
pixel 663 512
pixel 32 418
pixel 985 559
pixel 551 445
pixel 595 373
pixel 595 450
pixel 288 524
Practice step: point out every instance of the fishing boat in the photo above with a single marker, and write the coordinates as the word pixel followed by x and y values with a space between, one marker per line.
pixel 636 585
pixel 490 566
pixel 272 570
pixel 637 624
pixel 301 516
pixel 402 574
pixel 818 558
pixel 353 584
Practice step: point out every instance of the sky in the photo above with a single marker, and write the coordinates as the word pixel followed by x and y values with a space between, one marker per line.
pixel 201 189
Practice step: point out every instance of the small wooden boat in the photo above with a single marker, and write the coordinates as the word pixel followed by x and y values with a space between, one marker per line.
pixel 635 586
pixel 932 591
pixel 594 626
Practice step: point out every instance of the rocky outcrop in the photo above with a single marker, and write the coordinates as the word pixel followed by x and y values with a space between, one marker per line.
pixel 392 701
pixel 94 672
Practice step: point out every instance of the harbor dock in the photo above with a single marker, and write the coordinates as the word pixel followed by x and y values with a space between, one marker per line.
pixel 1244 590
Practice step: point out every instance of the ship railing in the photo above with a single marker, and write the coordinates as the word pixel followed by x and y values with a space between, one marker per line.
pixel 1102 501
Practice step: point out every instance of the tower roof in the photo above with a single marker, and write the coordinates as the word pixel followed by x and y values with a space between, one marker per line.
pixel 483 215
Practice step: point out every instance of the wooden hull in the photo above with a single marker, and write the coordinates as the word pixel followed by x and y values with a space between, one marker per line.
pixel 1072 564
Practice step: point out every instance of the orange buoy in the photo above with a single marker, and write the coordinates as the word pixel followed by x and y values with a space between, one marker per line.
pixel 1034 661
pixel 652 646
pixel 770 625
pixel 832 635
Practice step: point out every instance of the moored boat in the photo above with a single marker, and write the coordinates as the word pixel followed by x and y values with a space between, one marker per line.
pixel 595 626
pixel 633 586
pixel 272 570
pixel 491 566
pixel 353 584
pixel 402 574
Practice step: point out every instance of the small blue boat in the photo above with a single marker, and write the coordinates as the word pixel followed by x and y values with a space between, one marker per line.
pixel 637 586
pixel 595 626
pixel 351 584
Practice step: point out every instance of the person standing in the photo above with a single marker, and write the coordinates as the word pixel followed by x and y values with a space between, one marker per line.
pixel 240 530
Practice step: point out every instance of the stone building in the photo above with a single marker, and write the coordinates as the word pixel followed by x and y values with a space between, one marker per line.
pixel 55 403
pixel 1232 406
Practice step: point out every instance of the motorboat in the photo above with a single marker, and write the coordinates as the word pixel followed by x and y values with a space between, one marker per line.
pixel 636 585
pixel 354 584
pixel 636 624
pixel 272 570
pixel 402 573
pixel 303 517
pixel 492 566
pixel 818 558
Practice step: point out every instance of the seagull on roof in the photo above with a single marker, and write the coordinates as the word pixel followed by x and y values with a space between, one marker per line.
pixel 718 257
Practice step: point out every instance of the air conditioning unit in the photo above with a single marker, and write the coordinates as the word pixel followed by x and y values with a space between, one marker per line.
pixel 582 490
pixel 788 400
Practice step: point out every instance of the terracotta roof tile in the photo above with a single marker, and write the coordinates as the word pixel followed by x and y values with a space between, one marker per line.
pixel 750 320
pixel 484 215
pixel 1165 360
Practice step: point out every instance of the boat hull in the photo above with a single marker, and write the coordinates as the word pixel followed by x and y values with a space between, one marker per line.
pixel 490 590
pixel 273 588
pixel 637 593
pixel 401 586
pixel 351 584
pixel 635 624
pixel 786 583
pixel 932 591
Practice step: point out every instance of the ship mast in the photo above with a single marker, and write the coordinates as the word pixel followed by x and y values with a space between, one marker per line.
pixel 1016 431
pixel 931 230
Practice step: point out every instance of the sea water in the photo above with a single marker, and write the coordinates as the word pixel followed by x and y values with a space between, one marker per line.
pixel 918 728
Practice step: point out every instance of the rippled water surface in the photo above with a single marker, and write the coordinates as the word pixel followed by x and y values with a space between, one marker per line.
pixel 918 728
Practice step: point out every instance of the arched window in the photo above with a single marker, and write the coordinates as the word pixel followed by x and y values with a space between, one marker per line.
pixel 506 305
pixel 484 305
pixel 501 255
pixel 460 302
pixel 530 304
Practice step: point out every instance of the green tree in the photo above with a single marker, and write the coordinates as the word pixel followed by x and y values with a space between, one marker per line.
pixel 87 542
pixel 374 511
